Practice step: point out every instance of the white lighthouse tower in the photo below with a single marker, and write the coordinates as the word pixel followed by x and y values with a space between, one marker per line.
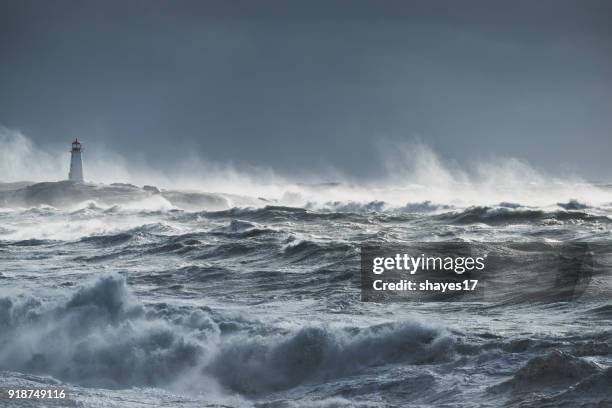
pixel 76 164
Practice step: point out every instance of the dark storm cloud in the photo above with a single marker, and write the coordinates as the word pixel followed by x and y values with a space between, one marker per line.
pixel 294 85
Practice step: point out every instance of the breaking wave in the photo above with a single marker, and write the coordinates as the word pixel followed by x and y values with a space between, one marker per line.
pixel 102 336
pixel 321 353
pixel 98 337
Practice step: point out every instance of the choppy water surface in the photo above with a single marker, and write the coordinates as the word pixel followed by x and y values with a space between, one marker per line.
pixel 260 307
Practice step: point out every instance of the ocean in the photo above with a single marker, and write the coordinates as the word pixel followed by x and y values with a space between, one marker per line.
pixel 259 306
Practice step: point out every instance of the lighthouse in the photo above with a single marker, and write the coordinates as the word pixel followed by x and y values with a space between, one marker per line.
pixel 76 164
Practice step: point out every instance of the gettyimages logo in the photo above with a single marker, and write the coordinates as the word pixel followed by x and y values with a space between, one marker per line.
pixel 412 264
pixel 477 272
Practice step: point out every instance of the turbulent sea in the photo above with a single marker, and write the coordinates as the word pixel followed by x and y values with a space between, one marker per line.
pixel 260 307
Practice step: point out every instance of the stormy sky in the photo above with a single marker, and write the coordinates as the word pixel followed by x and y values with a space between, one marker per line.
pixel 301 85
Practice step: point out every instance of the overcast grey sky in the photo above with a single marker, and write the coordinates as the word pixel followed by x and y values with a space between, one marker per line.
pixel 296 85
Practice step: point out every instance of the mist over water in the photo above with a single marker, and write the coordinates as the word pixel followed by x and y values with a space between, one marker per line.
pixel 412 173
